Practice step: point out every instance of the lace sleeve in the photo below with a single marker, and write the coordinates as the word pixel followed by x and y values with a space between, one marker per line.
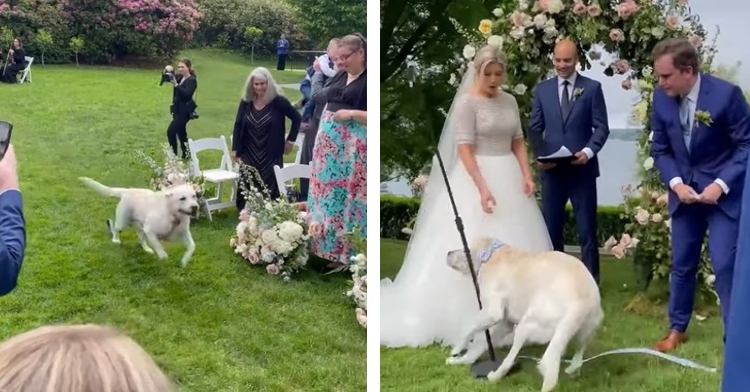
pixel 464 121
pixel 516 112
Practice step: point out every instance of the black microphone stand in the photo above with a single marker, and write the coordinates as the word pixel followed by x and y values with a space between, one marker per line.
pixel 482 368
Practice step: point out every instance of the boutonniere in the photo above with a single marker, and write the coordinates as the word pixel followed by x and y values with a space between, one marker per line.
pixel 703 117
pixel 577 92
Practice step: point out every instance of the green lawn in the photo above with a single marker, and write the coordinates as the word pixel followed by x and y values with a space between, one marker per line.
pixel 218 325
pixel 425 369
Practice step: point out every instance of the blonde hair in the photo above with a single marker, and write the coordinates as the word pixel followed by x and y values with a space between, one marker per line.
pixel 78 358
pixel 272 91
pixel 489 54
pixel 333 43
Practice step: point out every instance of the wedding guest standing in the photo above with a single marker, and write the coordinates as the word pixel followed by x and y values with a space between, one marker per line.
pixel 701 137
pixel 282 50
pixel 259 135
pixel 338 185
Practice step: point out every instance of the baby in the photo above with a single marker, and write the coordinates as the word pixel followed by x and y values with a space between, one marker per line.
pixel 327 68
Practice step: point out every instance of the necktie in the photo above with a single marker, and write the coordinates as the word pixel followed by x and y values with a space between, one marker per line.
pixel 565 100
pixel 685 121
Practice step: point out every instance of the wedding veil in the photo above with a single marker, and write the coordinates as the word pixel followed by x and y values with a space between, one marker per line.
pixel 435 186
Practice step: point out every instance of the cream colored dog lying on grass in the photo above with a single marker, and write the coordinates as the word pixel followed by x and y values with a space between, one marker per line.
pixel 543 298
pixel 155 216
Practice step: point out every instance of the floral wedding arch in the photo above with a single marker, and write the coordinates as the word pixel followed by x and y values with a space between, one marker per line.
pixel 627 30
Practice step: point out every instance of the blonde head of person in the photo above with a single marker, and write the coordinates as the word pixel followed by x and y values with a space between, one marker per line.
pixel 80 358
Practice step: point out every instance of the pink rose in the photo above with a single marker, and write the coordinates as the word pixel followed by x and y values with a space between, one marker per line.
pixel 618 251
pixel 626 9
pixel 622 66
pixel 682 3
pixel 625 241
pixel 696 40
pixel 361 315
pixel 253 258
pixel 627 84
pixel 672 22
pixel 543 5
pixel 579 8
pixel 244 216
pixel 273 269
pixel 616 35
pixel 594 10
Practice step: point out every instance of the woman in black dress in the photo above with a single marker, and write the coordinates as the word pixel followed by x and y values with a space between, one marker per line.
pixel 259 137
pixel 182 107
pixel 16 63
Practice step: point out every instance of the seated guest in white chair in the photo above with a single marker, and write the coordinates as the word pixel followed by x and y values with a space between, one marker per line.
pixel 15 62
pixel 260 139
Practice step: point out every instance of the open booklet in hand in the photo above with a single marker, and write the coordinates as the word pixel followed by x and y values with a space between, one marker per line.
pixel 563 155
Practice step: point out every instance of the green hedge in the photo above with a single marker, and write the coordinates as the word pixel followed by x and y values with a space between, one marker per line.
pixel 396 213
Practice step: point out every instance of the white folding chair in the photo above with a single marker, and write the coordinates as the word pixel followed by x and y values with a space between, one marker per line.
pixel 26 73
pixel 225 173
pixel 289 173
pixel 300 140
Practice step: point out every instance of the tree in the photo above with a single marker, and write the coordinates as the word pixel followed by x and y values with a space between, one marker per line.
pixel 45 42
pixel 252 36
pixel 326 19
pixel 419 42
pixel 76 45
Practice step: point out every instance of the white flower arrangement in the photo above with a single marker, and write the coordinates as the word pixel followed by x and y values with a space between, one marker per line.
pixel 273 233
pixel 358 292
pixel 174 171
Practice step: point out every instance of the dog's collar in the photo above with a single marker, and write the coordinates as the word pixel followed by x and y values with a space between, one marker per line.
pixel 486 254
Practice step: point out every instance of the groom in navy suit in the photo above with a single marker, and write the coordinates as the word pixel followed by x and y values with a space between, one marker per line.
pixel 701 136
pixel 569 110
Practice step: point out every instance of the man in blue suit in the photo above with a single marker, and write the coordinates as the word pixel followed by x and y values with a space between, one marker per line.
pixel 12 225
pixel 569 110
pixel 701 136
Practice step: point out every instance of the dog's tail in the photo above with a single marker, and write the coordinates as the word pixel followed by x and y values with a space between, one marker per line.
pixel 101 188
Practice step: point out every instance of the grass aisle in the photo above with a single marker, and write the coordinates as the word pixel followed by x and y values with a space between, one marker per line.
pixel 425 370
pixel 218 325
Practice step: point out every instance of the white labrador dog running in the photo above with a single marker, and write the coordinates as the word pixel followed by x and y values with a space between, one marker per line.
pixel 155 216
pixel 543 298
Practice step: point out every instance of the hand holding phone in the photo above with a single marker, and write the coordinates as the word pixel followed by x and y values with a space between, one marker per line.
pixel 6 129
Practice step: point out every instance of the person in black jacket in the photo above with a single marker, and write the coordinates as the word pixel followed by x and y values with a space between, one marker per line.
pixel 16 57
pixel 260 139
pixel 182 106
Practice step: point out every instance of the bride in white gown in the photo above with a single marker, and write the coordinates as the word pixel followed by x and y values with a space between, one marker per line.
pixel 485 157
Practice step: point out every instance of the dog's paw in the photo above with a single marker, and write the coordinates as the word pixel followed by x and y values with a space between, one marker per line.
pixel 162 256
pixel 148 250
pixel 184 262
pixel 116 241
pixel 573 370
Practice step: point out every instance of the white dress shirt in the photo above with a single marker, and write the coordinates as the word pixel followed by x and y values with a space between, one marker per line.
pixel 692 98
pixel 571 86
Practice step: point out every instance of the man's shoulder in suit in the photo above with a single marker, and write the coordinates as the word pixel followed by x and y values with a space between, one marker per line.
pixel 724 86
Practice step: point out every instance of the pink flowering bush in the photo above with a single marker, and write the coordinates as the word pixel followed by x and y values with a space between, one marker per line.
pixel 110 29
pixel 627 30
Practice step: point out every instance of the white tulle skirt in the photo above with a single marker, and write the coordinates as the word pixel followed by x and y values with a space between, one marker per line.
pixel 428 302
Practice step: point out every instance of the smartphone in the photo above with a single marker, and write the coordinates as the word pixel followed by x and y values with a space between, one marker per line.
pixel 5 130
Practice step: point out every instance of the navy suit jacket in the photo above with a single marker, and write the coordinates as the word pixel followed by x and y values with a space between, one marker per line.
pixel 12 239
pixel 586 125
pixel 718 151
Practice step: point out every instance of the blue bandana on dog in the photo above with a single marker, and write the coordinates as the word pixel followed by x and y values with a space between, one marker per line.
pixel 484 256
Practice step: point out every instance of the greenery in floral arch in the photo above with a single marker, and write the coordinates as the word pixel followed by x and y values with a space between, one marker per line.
pixel 628 31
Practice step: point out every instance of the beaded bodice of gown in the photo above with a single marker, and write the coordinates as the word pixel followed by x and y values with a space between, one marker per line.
pixel 489 123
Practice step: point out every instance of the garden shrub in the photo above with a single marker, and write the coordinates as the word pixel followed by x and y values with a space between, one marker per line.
pixel 225 21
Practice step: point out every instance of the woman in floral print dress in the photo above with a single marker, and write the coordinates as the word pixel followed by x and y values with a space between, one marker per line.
pixel 338 184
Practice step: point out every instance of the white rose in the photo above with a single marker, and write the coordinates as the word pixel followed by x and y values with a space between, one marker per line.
pixel 469 52
pixel 495 40
pixel 647 71
pixel 523 5
pixel 498 12
pixel 551 32
pixel 549 23
pixel 656 218
pixel 452 80
pixel 648 164
pixel 518 32
pixel 520 89
pixel 642 216
pixel 540 20
pixel 555 6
